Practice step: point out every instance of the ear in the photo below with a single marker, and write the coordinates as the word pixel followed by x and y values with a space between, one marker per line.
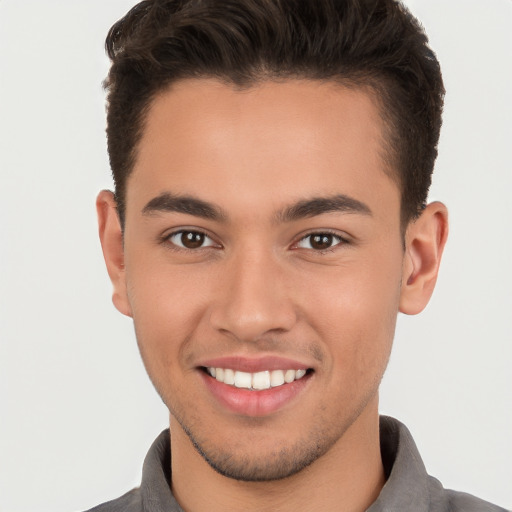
pixel 111 237
pixel 424 243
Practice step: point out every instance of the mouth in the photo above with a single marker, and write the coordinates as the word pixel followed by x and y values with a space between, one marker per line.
pixel 257 381
pixel 255 388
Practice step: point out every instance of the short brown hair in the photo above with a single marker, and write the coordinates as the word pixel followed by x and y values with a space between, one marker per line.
pixel 371 43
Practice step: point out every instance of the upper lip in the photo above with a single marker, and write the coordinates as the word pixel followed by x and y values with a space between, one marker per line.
pixel 254 364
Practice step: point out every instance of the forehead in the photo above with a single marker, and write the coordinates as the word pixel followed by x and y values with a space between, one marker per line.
pixel 274 138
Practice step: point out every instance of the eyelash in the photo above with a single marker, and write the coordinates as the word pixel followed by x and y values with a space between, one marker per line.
pixel 167 239
pixel 341 240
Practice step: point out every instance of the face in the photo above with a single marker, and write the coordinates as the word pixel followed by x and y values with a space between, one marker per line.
pixel 263 267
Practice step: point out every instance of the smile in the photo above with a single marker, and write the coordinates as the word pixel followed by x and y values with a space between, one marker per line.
pixel 255 387
pixel 255 381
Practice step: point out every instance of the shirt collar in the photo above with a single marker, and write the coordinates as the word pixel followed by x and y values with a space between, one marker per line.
pixel 156 477
pixel 406 487
pixel 407 484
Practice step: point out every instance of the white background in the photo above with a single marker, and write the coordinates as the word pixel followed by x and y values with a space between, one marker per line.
pixel 77 411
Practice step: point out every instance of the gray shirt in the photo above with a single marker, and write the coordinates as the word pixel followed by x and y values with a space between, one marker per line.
pixel 408 486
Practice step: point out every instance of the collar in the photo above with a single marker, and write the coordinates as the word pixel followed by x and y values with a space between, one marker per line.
pixel 407 482
pixel 406 488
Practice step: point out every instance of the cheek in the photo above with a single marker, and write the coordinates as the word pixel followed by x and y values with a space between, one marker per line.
pixel 164 295
pixel 354 310
pixel 167 306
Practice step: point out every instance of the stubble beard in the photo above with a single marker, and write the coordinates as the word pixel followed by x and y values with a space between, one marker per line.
pixel 277 462
pixel 276 465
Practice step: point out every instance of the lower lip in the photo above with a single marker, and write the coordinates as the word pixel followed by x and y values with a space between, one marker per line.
pixel 248 402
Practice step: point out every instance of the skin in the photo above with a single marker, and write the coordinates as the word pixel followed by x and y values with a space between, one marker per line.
pixel 260 287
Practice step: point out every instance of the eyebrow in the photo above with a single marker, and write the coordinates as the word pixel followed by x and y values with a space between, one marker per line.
pixel 189 205
pixel 319 205
pixel 167 202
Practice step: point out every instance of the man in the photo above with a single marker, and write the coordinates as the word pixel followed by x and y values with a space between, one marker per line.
pixel 272 162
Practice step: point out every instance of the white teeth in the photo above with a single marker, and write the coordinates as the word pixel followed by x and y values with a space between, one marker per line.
pixel 261 380
pixel 276 378
pixel 289 376
pixel 258 381
pixel 299 374
pixel 243 380
pixel 229 376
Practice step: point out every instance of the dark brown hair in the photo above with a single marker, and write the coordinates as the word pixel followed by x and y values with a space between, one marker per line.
pixel 363 43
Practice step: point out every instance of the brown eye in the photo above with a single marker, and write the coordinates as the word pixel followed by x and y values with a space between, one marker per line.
pixel 320 241
pixel 191 239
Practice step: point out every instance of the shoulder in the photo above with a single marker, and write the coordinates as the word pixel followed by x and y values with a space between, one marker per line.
pixel 408 485
pixel 154 492
pixel 129 502
pixel 455 501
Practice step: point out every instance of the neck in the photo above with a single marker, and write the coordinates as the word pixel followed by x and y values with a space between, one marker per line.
pixel 349 477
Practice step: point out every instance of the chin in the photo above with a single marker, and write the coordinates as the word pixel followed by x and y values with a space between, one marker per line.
pixel 252 461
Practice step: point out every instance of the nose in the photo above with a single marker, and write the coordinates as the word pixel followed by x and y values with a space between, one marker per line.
pixel 254 298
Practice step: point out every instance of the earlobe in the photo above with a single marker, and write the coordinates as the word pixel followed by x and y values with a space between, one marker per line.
pixel 425 241
pixel 111 237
